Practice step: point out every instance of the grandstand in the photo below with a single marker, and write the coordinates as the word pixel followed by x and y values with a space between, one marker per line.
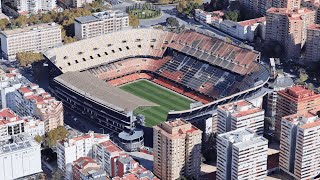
pixel 205 69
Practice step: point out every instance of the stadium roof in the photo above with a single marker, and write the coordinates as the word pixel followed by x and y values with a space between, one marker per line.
pixel 91 87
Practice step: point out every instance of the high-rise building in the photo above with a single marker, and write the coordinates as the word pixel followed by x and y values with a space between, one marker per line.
pixel 240 114
pixel 176 147
pixel 312 53
pixel 86 168
pixel 314 5
pixel 293 100
pixel 71 149
pixel 19 157
pixel 31 100
pixel 241 154
pixel 25 7
pixel 100 23
pixel 36 38
pixel 289 28
pixel 300 144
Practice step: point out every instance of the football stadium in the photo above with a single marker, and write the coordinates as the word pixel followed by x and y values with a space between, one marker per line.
pixel 159 74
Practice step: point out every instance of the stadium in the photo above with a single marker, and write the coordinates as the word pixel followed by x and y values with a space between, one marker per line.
pixel 113 77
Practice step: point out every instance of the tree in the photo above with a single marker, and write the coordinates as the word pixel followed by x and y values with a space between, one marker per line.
pixel 38 138
pixel 3 23
pixel 164 1
pixel 133 20
pixel 172 22
pixel 57 175
pixel 20 21
pixel 302 78
pixel 232 15
pixel 55 135
pixel 26 58
pixel 46 18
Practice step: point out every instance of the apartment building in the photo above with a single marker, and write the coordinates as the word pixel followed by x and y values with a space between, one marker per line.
pixel 11 125
pixel 289 28
pixel 203 16
pixel 312 53
pixel 31 100
pixel 138 173
pixel 100 23
pixel 10 81
pixel 313 5
pixel 176 147
pixel 19 157
pixel 75 3
pixel 240 114
pixel 86 168
pixel 299 145
pixel 293 100
pixel 241 154
pixel 26 7
pixel 36 38
pixel 71 149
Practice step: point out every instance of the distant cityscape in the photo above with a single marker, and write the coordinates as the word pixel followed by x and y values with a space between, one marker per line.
pixel 160 90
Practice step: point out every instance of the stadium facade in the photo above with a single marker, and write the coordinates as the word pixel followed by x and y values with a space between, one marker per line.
pixel 204 68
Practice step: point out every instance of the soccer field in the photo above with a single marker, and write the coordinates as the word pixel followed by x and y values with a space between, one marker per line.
pixel 165 98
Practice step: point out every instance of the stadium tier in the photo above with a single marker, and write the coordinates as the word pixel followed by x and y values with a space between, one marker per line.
pixel 203 68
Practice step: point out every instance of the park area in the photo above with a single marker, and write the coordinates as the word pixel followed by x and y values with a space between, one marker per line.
pixel 144 11
pixel 165 98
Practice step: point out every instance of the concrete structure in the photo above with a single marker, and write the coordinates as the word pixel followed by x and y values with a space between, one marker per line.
pixel 10 81
pixel 289 28
pixel 11 125
pixel 240 114
pixel 241 154
pixel 26 7
pixel 19 158
pixel 299 145
pixel 30 100
pixel 203 16
pixel 312 53
pixel 176 147
pixel 71 149
pixel 75 3
pixel 131 140
pixel 36 38
pixel 293 100
pixel 314 5
pixel 86 168
pixel 100 23
pixel 244 30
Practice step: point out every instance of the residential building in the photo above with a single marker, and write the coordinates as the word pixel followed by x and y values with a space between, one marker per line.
pixel 176 147
pixel 294 100
pixel 241 154
pixel 71 149
pixel 312 53
pixel 86 168
pixel 10 81
pixel 36 38
pixel 31 100
pixel 100 23
pixel 139 173
pixel 299 145
pixel 26 7
pixel 19 157
pixel 313 5
pixel 12 125
pixel 240 114
pixel 106 154
pixel 288 28
pixel 202 16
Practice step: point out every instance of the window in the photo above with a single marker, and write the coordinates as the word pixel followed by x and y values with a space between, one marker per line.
pixel 120 49
pixel 83 59
pixel 112 51
pixel 76 61
pixel 139 46
pixel 91 57
pixel 69 64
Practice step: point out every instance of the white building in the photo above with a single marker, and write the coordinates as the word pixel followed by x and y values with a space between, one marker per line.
pixel 11 125
pixel 240 114
pixel 245 30
pixel 100 23
pixel 26 7
pixel 36 38
pixel 299 145
pixel 71 149
pixel 202 16
pixel 241 154
pixel 10 81
pixel 20 158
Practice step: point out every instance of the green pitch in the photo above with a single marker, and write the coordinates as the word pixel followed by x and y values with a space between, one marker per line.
pixel 165 98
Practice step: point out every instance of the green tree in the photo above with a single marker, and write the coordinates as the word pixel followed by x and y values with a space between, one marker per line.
pixel 55 135
pixel 57 175
pixel 38 138
pixel 172 22
pixel 133 20
pixel 26 58
pixel 33 19
pixel 232 15
pixel 302 78
pixel 46 18
pixel 3 23
pixel 20 21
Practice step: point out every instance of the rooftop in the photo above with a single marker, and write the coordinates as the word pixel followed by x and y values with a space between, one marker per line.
pixel 298 93
pixel 98 90
pixel 33 28
pixel 252 21
pixel 306 120
pixel 110 146
pixel 314 27
pixel 100 16
pixel 131 134
pixel 18 143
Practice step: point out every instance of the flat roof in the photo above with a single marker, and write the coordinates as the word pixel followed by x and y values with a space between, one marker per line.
pixel 86 19
pixel 98 90
pixel 37 27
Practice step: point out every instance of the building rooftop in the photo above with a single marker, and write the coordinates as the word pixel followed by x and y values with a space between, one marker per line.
pixel 306 120
pixel 110 146
pixel 314 27
pixel 18 143
pixel 252 21
pixel 71 141
pixel 131 134
pixel 295 14
pixel 98 90
pixel 100 16
pixel 33 28
pixel 299 93
pixel 89 167
pixel 243 137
